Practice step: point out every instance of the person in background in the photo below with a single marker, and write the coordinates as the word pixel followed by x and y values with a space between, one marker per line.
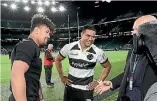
pixel 48 64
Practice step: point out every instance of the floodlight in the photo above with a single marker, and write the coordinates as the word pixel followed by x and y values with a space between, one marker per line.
pixel 40 10
pixel 13 6
pixel 26 8
pixel 5 4
pixel 32 2
pixel 47 3
pixel 61 8
pixel 40 2
pixel 53 2
pixel 53 9
pixel 108 1
pixel 25 1
pixel 17 0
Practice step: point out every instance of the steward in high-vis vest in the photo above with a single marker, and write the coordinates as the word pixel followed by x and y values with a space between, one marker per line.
pixel 48 64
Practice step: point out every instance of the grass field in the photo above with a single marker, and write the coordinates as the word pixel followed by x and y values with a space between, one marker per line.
pixel 117 59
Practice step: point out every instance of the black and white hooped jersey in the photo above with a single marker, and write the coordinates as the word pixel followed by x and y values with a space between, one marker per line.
pixel 82 63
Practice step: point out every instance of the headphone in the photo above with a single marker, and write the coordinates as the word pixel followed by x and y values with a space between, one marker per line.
pixel 138 43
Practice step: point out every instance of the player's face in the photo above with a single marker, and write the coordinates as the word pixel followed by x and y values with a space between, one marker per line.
pixel 88 37
pixel 44 33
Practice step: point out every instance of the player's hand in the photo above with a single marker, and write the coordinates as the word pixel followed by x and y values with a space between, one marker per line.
pixel 65 80
pixel 41 94
pixel 103 87
pixel 92 85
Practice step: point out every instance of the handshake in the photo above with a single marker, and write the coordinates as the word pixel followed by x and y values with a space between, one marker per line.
pixel 100 86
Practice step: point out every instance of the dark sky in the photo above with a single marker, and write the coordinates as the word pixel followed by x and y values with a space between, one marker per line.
pixel 87 10
pixel 116 8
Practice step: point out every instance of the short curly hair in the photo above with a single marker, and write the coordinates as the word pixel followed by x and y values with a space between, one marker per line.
pixel 40 19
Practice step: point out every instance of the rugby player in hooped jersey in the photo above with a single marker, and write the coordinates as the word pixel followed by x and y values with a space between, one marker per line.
pixel 83 56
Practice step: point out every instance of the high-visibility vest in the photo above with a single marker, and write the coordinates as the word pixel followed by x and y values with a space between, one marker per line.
pixel 48 62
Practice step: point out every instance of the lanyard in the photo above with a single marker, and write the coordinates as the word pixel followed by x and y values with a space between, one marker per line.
pixel 132 71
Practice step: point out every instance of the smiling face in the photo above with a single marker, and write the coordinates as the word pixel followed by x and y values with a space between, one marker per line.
pixel 88 37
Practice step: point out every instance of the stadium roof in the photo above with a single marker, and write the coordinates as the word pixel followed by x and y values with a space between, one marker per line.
pixel 86 9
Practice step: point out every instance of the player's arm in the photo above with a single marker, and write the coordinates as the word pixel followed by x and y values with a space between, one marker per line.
pixel 41 93
pixel 106 70
pixel 103 60
pixel 18 82
pixel 58 61
pixel 115 82
pixel 20 66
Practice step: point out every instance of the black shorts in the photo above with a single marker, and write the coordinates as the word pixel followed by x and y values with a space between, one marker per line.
pixel 73 94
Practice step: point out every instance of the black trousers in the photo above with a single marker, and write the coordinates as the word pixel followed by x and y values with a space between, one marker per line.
pixel 11 98
pixel 48 73
pixel 73 94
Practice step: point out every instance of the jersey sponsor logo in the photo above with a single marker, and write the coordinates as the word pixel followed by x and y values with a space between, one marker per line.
pixel 80 64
